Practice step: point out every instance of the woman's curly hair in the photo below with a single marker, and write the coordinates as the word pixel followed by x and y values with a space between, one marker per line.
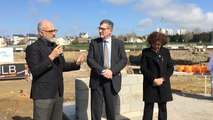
pixel 157 36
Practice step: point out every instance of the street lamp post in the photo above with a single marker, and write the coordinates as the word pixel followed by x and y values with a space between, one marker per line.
pixel 212 37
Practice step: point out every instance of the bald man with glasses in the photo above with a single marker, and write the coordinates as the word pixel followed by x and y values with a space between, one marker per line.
pixel 47 64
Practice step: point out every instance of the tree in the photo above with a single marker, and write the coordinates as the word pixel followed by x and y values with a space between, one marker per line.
pixel 22 41
pixel 131 35
pixel 122 37
pixel 197 31
pixel 205 37
pixel 188 37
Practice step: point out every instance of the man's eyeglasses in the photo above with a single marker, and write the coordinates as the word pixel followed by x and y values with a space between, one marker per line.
pixel 51 31
pixel 103 29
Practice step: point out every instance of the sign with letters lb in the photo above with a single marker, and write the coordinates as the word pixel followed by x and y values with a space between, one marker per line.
pixel 13 71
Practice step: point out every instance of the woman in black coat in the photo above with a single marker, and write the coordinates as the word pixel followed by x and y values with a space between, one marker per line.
pixel 156 67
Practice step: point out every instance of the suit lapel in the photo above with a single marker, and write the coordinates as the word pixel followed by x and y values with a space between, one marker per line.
pixel 113 52
pixel 100 47
pixel 43 47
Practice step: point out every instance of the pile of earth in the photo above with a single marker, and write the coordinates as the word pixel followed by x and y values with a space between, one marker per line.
pixel 179 57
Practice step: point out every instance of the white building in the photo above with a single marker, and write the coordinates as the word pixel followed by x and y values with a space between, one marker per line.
pixel 62 41
pixel 3 43
pixel 31 38
pixel 17 38
pixel 83 35
pixel 136 40
pixel 165 31
pixel 181 31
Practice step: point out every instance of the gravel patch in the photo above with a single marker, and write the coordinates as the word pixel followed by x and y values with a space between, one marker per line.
pixel 190 107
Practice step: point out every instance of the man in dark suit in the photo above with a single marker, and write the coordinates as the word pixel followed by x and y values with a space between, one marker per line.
pixel 46 63
pixel 106 64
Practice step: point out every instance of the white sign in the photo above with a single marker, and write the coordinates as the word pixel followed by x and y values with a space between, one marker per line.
pixel 6 55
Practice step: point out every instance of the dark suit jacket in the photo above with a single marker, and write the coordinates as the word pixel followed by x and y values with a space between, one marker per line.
pixel 95 61
pixel 47 74
pixel 153 66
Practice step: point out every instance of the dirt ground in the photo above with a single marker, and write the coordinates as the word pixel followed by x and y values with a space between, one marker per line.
pixel 14 94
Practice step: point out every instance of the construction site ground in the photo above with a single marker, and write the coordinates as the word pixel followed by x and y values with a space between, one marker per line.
pixel 15 103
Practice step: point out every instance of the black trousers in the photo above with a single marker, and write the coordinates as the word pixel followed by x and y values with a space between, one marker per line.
pixel 148 111
pixel 104 92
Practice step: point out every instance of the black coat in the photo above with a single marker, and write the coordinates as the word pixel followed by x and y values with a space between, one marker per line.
pixel 156 65
pixel 47 74
pixel 95 61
